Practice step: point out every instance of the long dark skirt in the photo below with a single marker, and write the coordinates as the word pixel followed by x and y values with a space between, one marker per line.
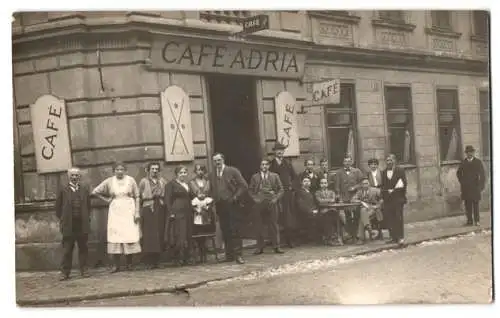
pixel 153 228
pixel 179 233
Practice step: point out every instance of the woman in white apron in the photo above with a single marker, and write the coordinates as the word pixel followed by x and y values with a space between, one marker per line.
pixel 122 194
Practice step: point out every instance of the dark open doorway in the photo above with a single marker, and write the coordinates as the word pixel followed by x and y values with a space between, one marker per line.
pixel 235 121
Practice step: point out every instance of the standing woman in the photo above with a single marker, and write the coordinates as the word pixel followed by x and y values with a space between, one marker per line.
pixel 178 204
pixel 122 194
pixel 152 192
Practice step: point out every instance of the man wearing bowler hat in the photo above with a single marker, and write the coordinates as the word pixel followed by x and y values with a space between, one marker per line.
pixel 284 169
pixel 471 176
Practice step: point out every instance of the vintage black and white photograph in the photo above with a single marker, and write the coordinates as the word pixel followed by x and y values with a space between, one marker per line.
pixel 252 158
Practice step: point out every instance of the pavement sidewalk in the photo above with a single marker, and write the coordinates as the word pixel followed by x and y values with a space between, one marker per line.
pixel 42 288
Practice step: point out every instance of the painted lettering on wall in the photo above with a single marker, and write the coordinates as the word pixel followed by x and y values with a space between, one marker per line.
pixel 50 132
pixel 286 123
pixel 226 58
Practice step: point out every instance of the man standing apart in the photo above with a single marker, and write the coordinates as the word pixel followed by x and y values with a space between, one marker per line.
pixel 266 189
pixel 471 176
pixel 347 181
pixel 228 188
pixel 73 212
pixel 394 195
pixel 284 169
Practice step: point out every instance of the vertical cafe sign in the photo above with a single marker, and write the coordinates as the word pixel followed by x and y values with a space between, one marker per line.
pixel 50 134
pixel 286 123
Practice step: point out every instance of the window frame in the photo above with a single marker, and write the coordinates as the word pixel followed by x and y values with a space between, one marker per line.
pixel 408 111
pixel 385 15
pixel 458 124
pixel 352 111
pixel 475 23
pixel 485 111
pixel 435 18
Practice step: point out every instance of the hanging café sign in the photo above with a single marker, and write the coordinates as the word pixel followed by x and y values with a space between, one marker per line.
pixel 204 57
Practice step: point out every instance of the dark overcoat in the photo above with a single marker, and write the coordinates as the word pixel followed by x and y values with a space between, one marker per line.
pixel 64 211
pixel 471 176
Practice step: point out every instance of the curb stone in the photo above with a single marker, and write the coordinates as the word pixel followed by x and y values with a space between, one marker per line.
pixel 187 286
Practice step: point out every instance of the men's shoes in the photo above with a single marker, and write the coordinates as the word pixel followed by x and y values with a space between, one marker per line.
pixel 258 251
pixel 278 251
pixel 240 260
pixel 64 276
pixel 401 242
pixel 228 260
pixel 468 224
pixel 476 224
pixel 391 241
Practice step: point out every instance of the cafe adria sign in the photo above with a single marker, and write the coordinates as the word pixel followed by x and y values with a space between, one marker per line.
pixel 209 57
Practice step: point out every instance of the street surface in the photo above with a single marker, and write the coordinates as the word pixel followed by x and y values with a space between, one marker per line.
pixel 455 270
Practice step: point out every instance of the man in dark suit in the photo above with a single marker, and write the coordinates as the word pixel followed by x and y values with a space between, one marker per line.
pixel 471 176
pixel 73 212
pixel 229 187
pixel 266 189
pixel 374 176
pixel 324 173
pixel 288 177
pixel 394 194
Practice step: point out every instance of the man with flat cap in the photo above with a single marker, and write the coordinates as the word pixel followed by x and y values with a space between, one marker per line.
pixel 284 169
pixel 471 176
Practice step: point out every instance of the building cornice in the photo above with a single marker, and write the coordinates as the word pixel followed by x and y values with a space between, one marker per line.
pixel 143 30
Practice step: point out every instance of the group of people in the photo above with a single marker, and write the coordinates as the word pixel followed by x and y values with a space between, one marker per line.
pixel 314 206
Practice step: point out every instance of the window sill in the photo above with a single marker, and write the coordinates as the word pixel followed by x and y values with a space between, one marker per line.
pixel 450 162
pixel 408 166
pixel 350 19
pixel 443 32
pixel 31 207
pixel 396 25
pixel 479 38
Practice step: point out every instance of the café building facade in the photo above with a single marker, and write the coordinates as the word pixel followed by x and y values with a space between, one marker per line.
pixel 94 87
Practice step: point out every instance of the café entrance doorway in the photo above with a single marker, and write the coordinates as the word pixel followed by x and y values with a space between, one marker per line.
pixel 235 122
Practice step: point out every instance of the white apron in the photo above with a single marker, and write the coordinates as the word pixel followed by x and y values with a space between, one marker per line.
pixel 121 225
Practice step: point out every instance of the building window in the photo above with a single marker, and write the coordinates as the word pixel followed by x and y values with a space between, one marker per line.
pixel 340 123
pixel 449 125
pixel 484 103
pixel 481 21
pixel 225 17
pixel 400 123
pixel 441 20
pixel 392 15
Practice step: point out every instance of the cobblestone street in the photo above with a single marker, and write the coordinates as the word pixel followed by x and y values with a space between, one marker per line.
pixel 455 270
pixel 44 288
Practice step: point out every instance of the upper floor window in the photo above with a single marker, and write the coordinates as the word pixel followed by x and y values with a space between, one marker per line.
pixel 400 122
pixel 340 124
pixel 441 19
pixel 481 21
pixel 392 15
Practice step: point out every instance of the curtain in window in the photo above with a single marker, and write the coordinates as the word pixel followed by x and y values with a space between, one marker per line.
pixel 451 154
pixel 350 144
pixel 407 147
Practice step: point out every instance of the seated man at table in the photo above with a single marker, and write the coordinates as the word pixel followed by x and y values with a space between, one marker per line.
pixel 371 201
pixel 307 210
pixel 328 216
